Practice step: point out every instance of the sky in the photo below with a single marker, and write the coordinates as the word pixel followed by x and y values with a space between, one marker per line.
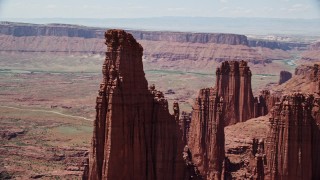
pixel 306 9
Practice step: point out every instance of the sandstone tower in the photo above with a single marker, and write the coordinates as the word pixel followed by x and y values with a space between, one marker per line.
pixel 135 136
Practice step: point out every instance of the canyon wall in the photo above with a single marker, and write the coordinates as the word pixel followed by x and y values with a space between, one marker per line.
pixel 23 29
pixel 206 136
pixel 135 136
pixel 278 45
pixel 293 140
pixel 185 51
pixel 233 84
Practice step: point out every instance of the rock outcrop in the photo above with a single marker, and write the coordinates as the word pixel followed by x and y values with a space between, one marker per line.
pixel 302 70
pixel 234 86
pixel 135 136
pixel 306 79
pixel 284 77
pixel 315 78
pixel 264 102
pixel 206 138
pixel 293 140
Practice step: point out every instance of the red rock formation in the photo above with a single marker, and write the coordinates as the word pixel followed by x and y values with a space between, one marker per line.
pixel 234 85
pixel 293 140
pixel 134 137
pixel 284 77
pixel 206 138
pixel 264 102
pixel 184 123
pixel 315 78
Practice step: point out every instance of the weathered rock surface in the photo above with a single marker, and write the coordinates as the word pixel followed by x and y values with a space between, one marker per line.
pixel 234 86
pixel 293 140
pixel 206 138
pixel 135 136
pixel 284 76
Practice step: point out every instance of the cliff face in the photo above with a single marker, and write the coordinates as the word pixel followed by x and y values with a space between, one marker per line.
pixel 22 29
pixel 217 38
pixel 293 140
pixel 206 138
pixel 284 77
pixel 277 45
pixel 234 86
pixel 134 137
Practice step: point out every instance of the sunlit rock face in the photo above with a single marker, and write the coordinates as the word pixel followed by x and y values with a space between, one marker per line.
pixel 135 136
pixel 234 86
pixel 206 135
pixel 293 140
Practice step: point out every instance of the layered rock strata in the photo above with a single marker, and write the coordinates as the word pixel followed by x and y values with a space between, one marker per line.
pixel 206 138
pixel 293 140
pixel 234 86
pixel 24 29
pixel 284 77
pixel 135 136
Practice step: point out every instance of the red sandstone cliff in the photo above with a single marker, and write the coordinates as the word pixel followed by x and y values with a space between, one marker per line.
pixel 134 137
pixel 293 140
pixel 206 138
pixel 234 86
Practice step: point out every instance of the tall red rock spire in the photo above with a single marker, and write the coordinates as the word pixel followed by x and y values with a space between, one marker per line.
pixel 206 138
pixel 234 85
pixel 135 136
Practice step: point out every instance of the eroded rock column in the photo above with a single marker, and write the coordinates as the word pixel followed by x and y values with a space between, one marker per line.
pixel 234 85
pixel 135 136
pixel 206 137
